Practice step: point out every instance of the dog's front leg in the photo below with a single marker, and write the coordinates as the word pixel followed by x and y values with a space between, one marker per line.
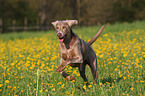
pixel 62 65
pixel 61 68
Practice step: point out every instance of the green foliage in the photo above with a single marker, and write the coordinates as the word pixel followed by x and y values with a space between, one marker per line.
pixel 129 11
pixel 16 10
pixel 87 12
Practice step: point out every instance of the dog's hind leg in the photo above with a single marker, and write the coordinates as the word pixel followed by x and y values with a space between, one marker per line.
pixel 82 72
pixel 93 66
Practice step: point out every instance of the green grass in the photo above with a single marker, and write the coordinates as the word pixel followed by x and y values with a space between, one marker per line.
pixel 28 61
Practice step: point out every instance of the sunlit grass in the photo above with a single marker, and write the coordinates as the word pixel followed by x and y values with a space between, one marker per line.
pixel 28 62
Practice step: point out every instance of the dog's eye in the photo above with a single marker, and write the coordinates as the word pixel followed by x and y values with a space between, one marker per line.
pixel 57 27
pixel 63 27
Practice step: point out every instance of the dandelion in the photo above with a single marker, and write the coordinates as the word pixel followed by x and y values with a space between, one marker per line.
pixel 40 90
pixel 115 69
pixel 107 82
pixel 120 75
pixel 142 81
pixel 72 81
pixel 63 86
pixel 12 64
pixel 22 91
pixel 90 86
pixel 105 35
pixel 84 87
pixel 53 89
pixel 91 83
pixel 58 83
pixel 100 83
pixel 140 66
pixel 51 86
pixel 21 55
pixel 101 56
pixel 14 87
pixel 7 81
pixel 131 88
pixel 124 55
pixel 124 77
pixel 46 90
pixel 67 92
pixel 1 85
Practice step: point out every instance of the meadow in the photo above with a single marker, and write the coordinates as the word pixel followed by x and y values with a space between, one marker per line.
pixel 28 61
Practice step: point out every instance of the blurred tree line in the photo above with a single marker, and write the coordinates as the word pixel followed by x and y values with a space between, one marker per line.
pixel 88 12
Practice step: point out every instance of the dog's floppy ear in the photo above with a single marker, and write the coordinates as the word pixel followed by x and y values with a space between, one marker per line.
pixel 71 22
pixel 54 23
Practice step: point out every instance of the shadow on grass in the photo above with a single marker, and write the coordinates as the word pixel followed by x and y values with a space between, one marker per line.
pixel 110 80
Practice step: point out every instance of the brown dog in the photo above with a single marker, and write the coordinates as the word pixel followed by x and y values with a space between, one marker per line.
pixel 74 51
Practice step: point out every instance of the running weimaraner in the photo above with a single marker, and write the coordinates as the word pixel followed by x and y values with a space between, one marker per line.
pixel 74 51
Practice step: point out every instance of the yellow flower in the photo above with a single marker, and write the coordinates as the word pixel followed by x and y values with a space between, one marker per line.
pixel 115 69
pixel 1 85
pixel 72 81
pixel 85 82
pixel 107 82
pixel 7 81
pixel 90 86
pixel 51 86
pixel 120 75
pixel 100 83
pixel 62 85
pixel 124 77
pixel 67 92
pixel 12 64
pixel 124 55
pixel 84 87
pixel 21 55
pixel 131 88
pixel 40 90
pixel 140 66
pixel 91 83
pixel 14 87
pixel 105 35
pixel 22 91
pixel 101 56
pixel 53 89
pixel 59 83
pixel 142 81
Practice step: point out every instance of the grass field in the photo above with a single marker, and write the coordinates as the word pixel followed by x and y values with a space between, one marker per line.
pixel 28 61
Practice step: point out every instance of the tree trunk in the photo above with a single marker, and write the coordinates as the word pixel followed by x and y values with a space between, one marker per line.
pixel 79 10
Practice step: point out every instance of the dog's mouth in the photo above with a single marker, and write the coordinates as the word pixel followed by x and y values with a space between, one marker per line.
pixel 61 39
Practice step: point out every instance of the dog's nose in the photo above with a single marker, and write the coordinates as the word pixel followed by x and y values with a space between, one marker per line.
pixel 59 34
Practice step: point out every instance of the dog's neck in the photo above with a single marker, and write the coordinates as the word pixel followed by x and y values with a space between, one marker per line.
pixel 68 39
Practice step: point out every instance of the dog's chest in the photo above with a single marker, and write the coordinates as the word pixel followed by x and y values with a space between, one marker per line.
pixel 67 53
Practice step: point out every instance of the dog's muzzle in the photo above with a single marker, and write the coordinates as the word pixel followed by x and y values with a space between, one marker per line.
pixel 61 38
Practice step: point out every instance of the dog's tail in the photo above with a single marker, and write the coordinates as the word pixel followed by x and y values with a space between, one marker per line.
pixel 96 36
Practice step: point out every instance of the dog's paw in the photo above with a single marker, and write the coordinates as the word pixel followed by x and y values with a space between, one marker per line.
pixel 57 69
pixel 71 78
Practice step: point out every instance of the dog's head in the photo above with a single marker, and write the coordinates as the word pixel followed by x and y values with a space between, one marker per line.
pixel 63 28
